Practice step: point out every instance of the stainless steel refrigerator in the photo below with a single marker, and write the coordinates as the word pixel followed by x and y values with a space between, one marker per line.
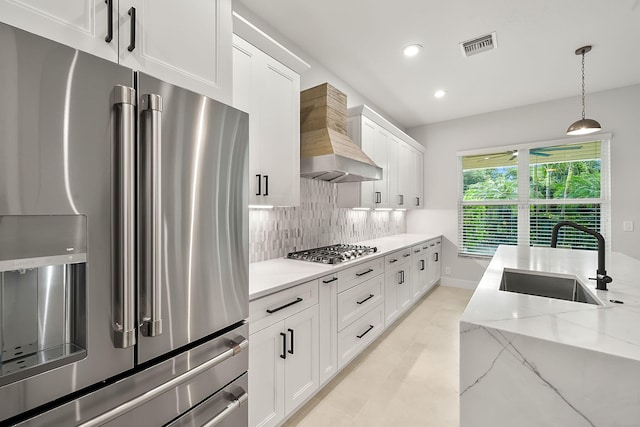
pixel 123 245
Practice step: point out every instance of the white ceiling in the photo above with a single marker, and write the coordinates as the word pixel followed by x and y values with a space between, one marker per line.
pixel 361 41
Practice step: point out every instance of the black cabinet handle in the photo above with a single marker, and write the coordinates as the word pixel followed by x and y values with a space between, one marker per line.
pixel 291 332
pixel 399 277
pixel 421 265
pixel 109 35
pixel 333 279
pixel 284 345
pixel 416 251
pixel 417 201
pixel 406 255
pixel 132 39
pixel 273 310
pixel 366 299
pixel 436 260
pixel 401 199
pixel 266 185
pixel 391 261
pixel 259 178
pixel 365 332
pixel 364 272
pixel 378 197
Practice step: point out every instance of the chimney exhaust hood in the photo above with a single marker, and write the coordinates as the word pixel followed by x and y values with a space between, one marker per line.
pixel 326 151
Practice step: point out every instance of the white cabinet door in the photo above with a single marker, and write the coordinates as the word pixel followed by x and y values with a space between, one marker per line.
pixel 328 328
pixel 434 261
pixel 301 377
pixel 397 292
pixel 393 168
pixel 368 196
pixel 381 158
pixel 270 93
pixel 184 43
pixel 279 124
pixel 418 188
pixel 406 175
pixel 266 376
pixel 419 275
pixel 81 24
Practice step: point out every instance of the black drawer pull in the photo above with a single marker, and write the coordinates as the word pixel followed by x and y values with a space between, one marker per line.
pixel 425 247
pixel 132 39
pixel 284 345
pixel 364 272
pixel 333 279
pixel 406 255
pixel 291 332
pixel 266 185
pixel 366 299
pixel 109 35
pixel 271 311
pixel 259 190
pixel 365 332
pixel 436 260
pixel 421 265
pixel 391 261
pixel 416 251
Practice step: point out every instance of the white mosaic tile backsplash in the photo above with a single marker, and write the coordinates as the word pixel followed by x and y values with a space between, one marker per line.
pixel 316 222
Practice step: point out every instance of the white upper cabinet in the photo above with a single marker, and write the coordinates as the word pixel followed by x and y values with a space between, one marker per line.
pixel 81 24
pixel 269 91
pixel 185 43
pixel 395 152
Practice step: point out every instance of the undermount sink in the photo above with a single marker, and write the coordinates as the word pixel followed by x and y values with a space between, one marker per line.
pixel 544 285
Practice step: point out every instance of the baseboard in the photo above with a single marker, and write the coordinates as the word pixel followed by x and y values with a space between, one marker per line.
pixel 458 283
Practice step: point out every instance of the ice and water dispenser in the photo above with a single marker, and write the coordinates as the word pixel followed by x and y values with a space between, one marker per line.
pixel 42 293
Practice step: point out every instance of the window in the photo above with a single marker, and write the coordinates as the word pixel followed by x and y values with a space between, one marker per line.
pixel 515 196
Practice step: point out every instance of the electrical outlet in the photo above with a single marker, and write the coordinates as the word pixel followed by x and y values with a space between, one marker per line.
pixel 447 270
pixel 627 225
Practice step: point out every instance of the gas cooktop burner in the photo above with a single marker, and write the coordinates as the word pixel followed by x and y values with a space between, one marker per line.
pixel 333 254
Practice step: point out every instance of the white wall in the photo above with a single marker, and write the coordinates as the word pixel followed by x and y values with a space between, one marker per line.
pixel 617 110
pixel 318 73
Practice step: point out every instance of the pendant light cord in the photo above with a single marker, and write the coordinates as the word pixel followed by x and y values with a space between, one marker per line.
pixel 583 85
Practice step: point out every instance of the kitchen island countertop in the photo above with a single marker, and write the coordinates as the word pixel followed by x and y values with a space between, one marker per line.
pixel 535 361
pixel 267 277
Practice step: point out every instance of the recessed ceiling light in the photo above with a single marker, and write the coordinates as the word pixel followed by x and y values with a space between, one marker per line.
pixel 412 49
pixel 439 93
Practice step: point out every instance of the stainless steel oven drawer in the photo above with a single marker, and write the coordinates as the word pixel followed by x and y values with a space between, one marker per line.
pixel 226 408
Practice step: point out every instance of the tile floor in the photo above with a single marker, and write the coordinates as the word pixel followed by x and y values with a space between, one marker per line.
pixel 407 377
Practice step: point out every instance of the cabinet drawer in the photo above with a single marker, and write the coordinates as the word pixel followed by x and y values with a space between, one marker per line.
pixel 357 336
pixel 267 310
pixel 349 277
pixel 359 299
pixel 397 258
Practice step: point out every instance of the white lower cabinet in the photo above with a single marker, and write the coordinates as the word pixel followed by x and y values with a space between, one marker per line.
pixel 283 363
pixel 397 285
pixel 302 336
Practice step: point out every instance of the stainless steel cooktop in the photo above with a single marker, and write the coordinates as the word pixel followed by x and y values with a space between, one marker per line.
pixel 333 254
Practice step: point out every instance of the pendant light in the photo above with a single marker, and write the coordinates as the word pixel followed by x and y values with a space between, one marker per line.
pixel 583 126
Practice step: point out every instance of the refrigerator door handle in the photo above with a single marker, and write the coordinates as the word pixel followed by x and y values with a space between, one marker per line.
pixel 151 141
pixel 124 104
pixel 236 347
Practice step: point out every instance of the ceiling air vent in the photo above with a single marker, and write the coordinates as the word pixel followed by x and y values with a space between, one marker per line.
pixel 479 44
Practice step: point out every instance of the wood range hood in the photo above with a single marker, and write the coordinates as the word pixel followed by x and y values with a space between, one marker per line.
pixel 326 151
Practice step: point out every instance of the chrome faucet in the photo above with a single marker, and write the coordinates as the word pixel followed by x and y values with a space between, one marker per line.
pixel 601 274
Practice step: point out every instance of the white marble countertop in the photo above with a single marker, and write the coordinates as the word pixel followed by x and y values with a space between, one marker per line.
pixel 609 328
pixel 270 276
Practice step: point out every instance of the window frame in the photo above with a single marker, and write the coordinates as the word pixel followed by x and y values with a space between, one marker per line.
pixel 524 202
